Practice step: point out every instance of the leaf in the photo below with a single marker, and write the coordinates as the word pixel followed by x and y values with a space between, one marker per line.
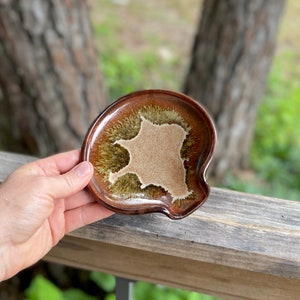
pixel 105 281
pixel 41 288
pixel 110 297
pixel 77 294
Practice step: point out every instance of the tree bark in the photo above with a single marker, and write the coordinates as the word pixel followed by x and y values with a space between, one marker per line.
pixel 50 85
pixel 230 62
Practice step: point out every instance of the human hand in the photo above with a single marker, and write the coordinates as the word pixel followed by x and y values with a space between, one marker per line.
pixel 39 203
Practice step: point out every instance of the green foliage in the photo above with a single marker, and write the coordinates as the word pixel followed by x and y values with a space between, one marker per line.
pixel 277 128
pixel 110 296
pixel 276 145
pixel 76 294
pixel 126 71
pixel 120 69
pixel 122 73
pixel 105 281
pixel 41 288
pixel 148 291
pixel 275 151
pixel 276 188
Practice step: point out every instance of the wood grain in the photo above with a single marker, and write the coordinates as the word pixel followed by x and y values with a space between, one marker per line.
pixel 237 245
pixel 189 273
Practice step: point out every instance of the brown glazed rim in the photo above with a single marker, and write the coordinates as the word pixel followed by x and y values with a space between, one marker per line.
pixel 201 123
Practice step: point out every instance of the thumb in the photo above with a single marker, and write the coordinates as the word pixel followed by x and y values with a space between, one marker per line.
pixel 71 182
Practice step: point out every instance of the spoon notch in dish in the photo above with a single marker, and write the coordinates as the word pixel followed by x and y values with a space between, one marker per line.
pixel 150 150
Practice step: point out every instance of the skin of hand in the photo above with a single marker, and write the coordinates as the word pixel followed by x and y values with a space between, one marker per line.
pixel 39 203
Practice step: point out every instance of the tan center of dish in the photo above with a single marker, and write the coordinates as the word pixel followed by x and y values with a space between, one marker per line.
pixel 155 158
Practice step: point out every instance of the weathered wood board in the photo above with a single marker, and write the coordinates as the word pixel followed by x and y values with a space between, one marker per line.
pixel 237 245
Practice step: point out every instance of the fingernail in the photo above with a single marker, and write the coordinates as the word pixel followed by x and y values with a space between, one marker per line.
pixel 83 169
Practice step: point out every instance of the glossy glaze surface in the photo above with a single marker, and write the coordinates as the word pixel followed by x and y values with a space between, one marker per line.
pixel 105 148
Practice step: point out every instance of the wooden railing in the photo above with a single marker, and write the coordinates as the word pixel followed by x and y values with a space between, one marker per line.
pixel 236 246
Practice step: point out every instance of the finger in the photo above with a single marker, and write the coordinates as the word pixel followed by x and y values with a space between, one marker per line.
pixel 81 198
pixel 58 163
pixel 70 183
pixel 85 215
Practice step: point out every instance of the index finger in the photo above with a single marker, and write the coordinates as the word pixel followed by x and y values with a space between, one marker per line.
pixel 58 163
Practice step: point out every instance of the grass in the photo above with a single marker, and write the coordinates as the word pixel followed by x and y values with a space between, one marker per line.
pixel 140 55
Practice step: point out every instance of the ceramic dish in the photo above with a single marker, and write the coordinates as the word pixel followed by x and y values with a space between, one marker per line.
pixel 150 151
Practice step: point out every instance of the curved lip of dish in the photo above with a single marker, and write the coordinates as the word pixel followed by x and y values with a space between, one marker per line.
pixel 137 205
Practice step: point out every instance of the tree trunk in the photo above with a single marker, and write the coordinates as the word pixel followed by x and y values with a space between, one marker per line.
pixel 50 85
pixel 231 58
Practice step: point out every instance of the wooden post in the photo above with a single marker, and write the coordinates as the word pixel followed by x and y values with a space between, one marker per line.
pixel 124 289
